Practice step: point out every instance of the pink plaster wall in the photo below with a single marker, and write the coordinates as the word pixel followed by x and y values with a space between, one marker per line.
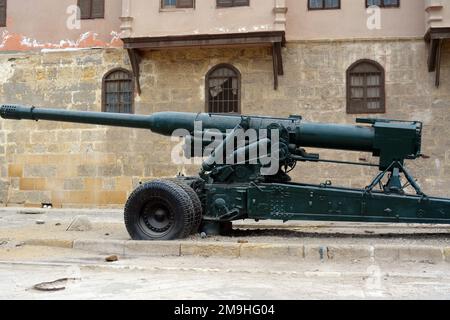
pixel 351 21
pixel 150 20
pixel 38 24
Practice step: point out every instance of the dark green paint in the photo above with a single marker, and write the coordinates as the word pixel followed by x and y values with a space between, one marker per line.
pixel 231 192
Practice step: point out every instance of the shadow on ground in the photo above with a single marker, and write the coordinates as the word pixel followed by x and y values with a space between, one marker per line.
pixel 302 234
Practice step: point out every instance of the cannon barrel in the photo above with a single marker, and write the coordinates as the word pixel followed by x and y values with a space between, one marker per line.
pixel 100 118
pixel 301 133
pixel 306 134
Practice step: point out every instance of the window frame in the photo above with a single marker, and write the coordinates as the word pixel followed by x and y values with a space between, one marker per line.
pixel 323 6
pixel 91 17
pixel 352 110
pixel 164 7
pixel 383 5
pixel 104 81
pixel 239 79
pixel 4 23
pixel 232 6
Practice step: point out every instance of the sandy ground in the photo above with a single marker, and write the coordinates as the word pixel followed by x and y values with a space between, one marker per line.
pixel 212 278
pixel 108 224
pixel 23 266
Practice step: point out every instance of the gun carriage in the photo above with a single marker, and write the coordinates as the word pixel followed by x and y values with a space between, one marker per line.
pixel 230 190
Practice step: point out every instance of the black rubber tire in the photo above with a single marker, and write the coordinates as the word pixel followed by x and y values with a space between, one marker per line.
pixel 144 207
pixel 198 210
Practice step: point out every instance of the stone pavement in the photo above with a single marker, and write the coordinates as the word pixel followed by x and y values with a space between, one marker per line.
pixel 324 241
pixel 268 260
pixel 193 277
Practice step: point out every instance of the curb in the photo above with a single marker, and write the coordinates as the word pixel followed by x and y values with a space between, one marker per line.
pixel 376 253
pixel 57 243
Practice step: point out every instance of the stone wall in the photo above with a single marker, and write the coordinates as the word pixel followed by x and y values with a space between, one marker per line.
pixel 73 165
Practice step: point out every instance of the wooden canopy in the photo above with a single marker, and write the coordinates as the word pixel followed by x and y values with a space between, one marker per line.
pixel 275 39
pixel 436 37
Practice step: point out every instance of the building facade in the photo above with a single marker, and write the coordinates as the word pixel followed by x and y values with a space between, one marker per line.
pixel 327 60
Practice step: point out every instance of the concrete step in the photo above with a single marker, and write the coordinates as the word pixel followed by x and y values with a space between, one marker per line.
pixel 307 252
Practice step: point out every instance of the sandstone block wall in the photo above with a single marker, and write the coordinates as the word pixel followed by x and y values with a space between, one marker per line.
pixel 71 165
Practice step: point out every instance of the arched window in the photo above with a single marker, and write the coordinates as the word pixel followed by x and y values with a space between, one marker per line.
pixel 223 89
pixel 118 91
pixel 365 87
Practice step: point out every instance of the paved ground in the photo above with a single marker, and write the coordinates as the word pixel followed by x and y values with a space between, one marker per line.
pixel 16 224
pixel 192 277
pixel 213 278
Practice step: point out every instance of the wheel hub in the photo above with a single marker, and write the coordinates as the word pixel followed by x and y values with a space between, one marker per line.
pixel 157 218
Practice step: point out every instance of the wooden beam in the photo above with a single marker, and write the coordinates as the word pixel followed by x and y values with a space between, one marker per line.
pixel 199 43
pixel 438 63
pixel 204 40
pixel 135 60
pixel 432 55
pixel 275 66
pixel 279 59
pixel 437 33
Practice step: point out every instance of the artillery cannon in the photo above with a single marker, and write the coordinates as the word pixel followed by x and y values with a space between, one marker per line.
pixel 239 182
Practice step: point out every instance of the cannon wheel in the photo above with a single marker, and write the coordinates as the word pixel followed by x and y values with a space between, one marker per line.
pixel 159 210
pixel 198 211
